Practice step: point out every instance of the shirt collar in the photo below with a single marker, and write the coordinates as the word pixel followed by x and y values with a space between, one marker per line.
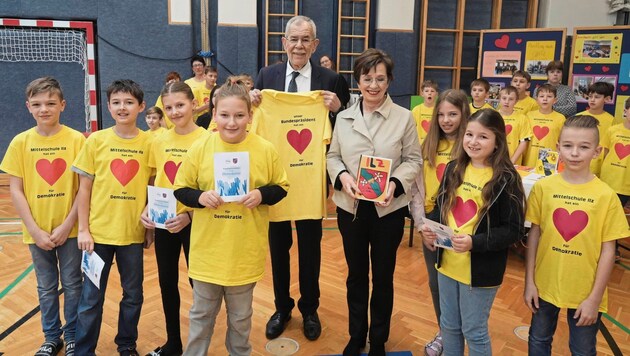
pixel 305 71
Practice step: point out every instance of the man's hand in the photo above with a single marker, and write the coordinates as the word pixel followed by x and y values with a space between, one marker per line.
pixel 331 101
pixel 255 96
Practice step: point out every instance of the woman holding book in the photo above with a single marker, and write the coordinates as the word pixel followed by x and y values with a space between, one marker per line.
pixel 372 230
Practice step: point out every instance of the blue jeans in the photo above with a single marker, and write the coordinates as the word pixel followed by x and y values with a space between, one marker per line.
pixel 582 339
pixel 465 312
pixel 130 267
pixel 65 262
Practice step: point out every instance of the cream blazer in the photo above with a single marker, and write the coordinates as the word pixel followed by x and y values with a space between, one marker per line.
pixel 395 138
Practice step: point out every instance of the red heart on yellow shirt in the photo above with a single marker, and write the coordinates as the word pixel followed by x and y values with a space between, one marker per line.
pixel 170 169
pixel 569 224
pixel 463 211
pixel 299 140
pixel 51 171
pixel 540 132
pixel 508 129
pixel 425 125
pixel 124 171
pixel 622 150
pixel 439 171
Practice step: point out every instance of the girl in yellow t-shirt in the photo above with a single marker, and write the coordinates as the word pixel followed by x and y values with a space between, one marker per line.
pixel 228 242
pixel 445 131
pixel 481 198
pixel 167 154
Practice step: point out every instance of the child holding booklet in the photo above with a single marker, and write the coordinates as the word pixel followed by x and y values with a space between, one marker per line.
pixel 228 242
pixel 481 198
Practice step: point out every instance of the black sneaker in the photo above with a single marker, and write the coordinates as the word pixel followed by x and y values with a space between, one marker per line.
pixel 49 348
pixel 70 348
pixel 166 350
pixel 129 352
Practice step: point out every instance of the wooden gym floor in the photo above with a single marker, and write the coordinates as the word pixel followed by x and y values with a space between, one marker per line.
pixel 413 320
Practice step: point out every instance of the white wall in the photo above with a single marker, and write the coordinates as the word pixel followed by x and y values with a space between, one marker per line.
pixel 395 15
pixel 237 12
pixel 574 13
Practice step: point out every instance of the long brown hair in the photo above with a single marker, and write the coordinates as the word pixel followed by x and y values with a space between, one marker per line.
pixel 430 145
pixel 503 170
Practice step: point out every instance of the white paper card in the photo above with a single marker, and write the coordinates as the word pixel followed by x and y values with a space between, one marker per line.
pixel 443 232
pixel 231 175
pixel 92 265
pixel 162 205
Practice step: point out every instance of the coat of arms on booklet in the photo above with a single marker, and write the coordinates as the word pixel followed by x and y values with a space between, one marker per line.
pixel 373 178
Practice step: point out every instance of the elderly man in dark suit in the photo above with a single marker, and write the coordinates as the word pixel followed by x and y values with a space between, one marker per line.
pixel 299 74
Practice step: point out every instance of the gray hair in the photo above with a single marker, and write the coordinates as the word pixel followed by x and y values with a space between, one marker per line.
pixel 297 20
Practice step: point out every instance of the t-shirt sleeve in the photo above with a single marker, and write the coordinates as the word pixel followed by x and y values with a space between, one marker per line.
pixel 12 158
pixel 85 159
pixel 605 139
pixel 152 160
pixel 616 224
pixel 188 172
pixel 534 204
pixel 526 130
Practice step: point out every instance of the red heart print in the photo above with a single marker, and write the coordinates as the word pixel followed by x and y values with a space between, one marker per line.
pixel 299 140
pixel 622 150
pixel 439 171
pixel 463 211
pixel 623 87
pixel 569 224
pixel 170 168
pixel 540 132
pixel 587 68
pixel 124 171
pixel 605 69
pixel 508 129
pixel 51 171
pixel 519 40
pixel 425 125
pixel 502 42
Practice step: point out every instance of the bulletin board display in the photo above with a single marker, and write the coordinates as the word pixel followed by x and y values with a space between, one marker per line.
pixel 502 52
pixel 601 54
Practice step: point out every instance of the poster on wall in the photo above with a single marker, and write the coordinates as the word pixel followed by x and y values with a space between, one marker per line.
pixel 501 63
pixel 597 48
pixel 493 93
pixel 537 55
pixel 582 82
pixel 620 108
pixel 624 71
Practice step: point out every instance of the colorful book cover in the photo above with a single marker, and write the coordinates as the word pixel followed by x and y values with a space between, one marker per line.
pixel 373 178
pixel 231 175
pixel 547 163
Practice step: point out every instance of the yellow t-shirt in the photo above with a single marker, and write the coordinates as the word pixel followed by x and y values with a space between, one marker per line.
pixel 605 122
pixel 422 114
pixel 517 130
pixel 484 106
pixel 545 133
pixel 462 219
pixel 574 220
pixel 203 97
pixel 526 105
pixel 297 125
pixel 433 175
pixel 167 120
pixel 616 165
pixel 228 245
pixel 158 132
pixel 43 163
pixel 121 171
pixel 167 154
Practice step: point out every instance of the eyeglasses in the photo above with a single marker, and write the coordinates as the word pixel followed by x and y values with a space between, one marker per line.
pixel 197 65
pixel 294 40
pixel 379 81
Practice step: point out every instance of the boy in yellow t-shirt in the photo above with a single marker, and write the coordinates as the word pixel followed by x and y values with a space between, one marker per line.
pixel 423 113
pixel 599 94
pixel 202 93
pixel 154 118
pixel 576 219
pixel 43 190
pixel 114 170
pixel 545 124
pixel 521 80
pixel 479 89
pixel 516 125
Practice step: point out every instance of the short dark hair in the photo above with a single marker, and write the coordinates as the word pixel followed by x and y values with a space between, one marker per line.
pixel 197 58
pixel 509 90
pixel 210 69
pixel 480 82
pixel 522 73
pixel 126 86
pixel 548 88
pixel 554 65
pixel 369 59
pixel 602 88
pixel 44 85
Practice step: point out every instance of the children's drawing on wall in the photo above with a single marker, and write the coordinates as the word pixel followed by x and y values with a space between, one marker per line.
pixel 501 63
pixel 597 48
pixel 537 55
pixel 582 82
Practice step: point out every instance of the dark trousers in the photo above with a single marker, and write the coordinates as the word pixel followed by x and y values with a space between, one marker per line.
pixel 368 238
pixel 309 238
pixel 168 248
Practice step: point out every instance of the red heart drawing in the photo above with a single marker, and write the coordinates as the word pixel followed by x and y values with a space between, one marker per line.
pixel 519 40
pixel 605 69
pixel 622 150
pixel 51 171
pixel 124 171
pixel 299 140
pixel 425 125
pixel 170 168
pixel 463 211
pixel 623 87
pixel 587 68
pixel 540 132
pixel 569 225
pixel 439 171
pixel 502 42
pixel 508 129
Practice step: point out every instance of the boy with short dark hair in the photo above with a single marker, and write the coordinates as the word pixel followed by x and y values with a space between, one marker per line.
pixel 479 89
pixel 517 128
pixel 521 80
pixel 43 190
pixel 113 169
pixel 202 94
pixel 599 94
pixel 566 98
pixel 545 124
pixel 422 113
pixel 576 219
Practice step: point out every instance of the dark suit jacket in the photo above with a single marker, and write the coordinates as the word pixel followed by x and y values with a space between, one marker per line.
pixel 273 77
